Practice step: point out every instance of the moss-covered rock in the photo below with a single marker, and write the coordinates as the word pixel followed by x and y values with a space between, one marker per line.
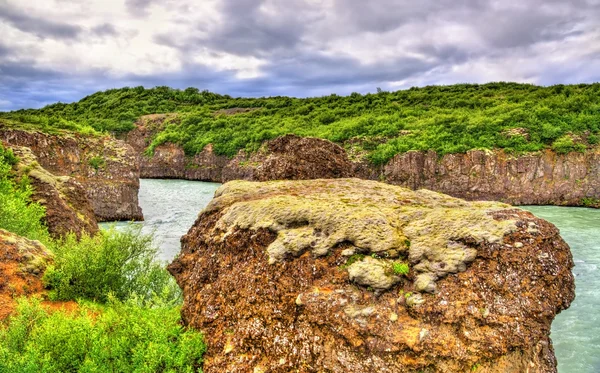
pixel 431 229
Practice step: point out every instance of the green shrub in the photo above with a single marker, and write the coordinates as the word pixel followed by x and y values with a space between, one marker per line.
pixel 17 213
pixel 121 337
pixel 565 144
pixel 118 263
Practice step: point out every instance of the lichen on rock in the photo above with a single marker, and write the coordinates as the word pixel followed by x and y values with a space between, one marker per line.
pixel 310 276
pixel 433 230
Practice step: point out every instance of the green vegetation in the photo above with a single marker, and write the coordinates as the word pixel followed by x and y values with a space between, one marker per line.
pixel 119 264
pixel 400 268
pixel 17 213
pixel 119 337
pixel 97 162
pixel 133 324
pixel 590 202
pixel 352 259
pixel 447 119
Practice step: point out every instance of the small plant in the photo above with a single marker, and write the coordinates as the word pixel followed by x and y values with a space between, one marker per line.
pixel 590 202
pixel 400 268
pixel 97 162
pixel 353 259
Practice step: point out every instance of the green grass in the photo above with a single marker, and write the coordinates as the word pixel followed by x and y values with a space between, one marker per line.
pixel 447 119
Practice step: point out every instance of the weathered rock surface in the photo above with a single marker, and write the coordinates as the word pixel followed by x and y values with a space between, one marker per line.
pixel 107 169
pixel 68 209
pixel 291 157
pixel 305 276
pixel 544 178
pixel 22 263
pixel 288 157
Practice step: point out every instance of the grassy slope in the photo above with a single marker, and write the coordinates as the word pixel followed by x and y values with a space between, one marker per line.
pixel 448 119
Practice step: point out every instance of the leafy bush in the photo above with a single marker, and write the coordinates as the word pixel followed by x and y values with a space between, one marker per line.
pixel 122 337
pixel 117 263
pixel 17 213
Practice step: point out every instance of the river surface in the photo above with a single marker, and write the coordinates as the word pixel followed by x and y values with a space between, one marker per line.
pixel 171 206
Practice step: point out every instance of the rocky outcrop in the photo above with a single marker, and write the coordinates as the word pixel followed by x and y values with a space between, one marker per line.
pixel 543 178
pixel 68 210
pixel 350 275
pixel 22 263
pixel 288 157
pixel 107 169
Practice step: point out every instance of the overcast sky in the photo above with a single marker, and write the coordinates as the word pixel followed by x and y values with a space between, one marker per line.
pixel 63 50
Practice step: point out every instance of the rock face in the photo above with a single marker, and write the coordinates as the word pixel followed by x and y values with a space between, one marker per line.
pixel 288 157
pixel 22 263
pixel 68 210
pixel 291 157
pixel 350 275
pixel 541 178
pixel 107 169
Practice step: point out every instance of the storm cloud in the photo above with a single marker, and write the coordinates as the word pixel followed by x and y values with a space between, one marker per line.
pixel 64 49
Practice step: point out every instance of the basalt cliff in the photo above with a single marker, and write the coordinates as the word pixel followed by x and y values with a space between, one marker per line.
pixel 545 177
pixel 101 169
pixel 351 275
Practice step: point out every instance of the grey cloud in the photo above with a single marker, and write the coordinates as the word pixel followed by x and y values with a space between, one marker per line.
pixel 248 29
pixel 105 29
pixel 38 26
pixel 138 7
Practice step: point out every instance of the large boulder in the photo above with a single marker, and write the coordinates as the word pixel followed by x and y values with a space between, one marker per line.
pixel 350 275
pixel 22 264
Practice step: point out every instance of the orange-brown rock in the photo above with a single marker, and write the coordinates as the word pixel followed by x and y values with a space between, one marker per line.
pixel 108 169
pixel 68 209
pixel 22 263
pixel 306 276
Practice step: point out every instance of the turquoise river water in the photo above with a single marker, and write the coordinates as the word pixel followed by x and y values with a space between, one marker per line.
pixel 171 207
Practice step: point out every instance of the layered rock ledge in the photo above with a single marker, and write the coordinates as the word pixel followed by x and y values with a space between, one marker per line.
pixel 350 275
pixel 545 177
pixel 108 169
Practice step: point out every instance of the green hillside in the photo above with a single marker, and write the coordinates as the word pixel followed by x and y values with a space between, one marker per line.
pixel 448 119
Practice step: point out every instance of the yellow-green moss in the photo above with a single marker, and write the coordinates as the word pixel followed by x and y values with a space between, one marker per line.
pixel 430 228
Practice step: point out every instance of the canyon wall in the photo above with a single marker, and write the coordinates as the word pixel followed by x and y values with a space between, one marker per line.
pixel 544 177
pixel 107 169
